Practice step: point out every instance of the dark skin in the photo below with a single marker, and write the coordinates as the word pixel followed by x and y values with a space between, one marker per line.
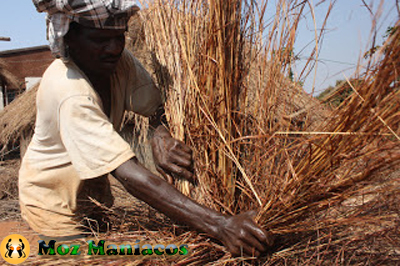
pixel 96 53
pixel 176 156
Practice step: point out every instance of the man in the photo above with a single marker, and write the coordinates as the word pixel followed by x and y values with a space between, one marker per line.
pixel 80 105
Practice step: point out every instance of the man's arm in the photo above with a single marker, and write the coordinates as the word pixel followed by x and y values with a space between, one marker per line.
pixel 238 233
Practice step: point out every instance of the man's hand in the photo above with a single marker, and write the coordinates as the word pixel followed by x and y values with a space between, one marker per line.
pixel 243 237
pixel 171 156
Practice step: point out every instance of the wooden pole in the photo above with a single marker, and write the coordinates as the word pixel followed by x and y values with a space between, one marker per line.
pixel 3 89
pixel 5 95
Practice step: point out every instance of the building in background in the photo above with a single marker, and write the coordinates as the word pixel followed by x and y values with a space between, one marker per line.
pixel 21 69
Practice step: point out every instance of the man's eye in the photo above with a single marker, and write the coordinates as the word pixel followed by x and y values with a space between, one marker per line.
pixel 104 40
pixel 100 40
pixel 120 38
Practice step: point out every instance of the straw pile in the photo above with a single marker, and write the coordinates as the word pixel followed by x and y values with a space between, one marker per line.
pixel 319 179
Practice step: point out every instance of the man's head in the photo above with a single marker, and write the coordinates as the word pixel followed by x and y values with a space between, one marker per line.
pixel 95 51
pixel 97 14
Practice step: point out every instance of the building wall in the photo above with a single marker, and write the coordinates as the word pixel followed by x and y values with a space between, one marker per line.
pixel 30 82
pixel 27 62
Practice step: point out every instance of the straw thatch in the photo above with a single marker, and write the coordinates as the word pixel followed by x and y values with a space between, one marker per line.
pixel 18 119
pixel 7 76
pixel 311 180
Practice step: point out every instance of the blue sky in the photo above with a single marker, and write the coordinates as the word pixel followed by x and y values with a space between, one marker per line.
pixel 20 21
pixel 348 35
pixel 349 28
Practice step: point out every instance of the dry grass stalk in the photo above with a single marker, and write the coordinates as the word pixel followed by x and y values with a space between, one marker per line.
pixel 227 98
pixel 209 62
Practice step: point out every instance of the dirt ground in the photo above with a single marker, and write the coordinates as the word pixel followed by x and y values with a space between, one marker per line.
pixel 9 207
pixel 10 219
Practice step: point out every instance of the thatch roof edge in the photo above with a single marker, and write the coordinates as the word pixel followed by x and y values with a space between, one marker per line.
pixel 7 76
pixel 17 117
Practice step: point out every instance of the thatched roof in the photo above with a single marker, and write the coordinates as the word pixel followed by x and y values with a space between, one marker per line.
pixel 7 76
pixel 292 106
pixel 17 117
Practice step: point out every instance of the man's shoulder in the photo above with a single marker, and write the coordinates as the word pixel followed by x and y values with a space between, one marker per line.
pixel 131 70
pixel 128 63
pixel 125 63
pixel 60 71
pixel 64 78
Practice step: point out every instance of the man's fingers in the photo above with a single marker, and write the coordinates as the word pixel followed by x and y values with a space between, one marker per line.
pixel 180 171
pixel 262 235
pixel 183 152
pixel 259 233
pixel 180 153
pixel 181 161
pixel 182 146
pixel 177 166
pixel 253 236
pixel 254 244
pixel 170 180
pixel 166 176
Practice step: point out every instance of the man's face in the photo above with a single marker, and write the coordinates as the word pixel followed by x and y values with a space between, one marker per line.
pixel 95 51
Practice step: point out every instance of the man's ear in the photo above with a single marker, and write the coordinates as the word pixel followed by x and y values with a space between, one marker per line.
pixel 67 38
pixel 72 31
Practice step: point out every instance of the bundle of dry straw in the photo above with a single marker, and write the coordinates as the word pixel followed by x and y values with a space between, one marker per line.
pixel 311 173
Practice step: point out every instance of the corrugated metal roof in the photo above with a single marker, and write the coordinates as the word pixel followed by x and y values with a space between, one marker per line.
pixel 24 50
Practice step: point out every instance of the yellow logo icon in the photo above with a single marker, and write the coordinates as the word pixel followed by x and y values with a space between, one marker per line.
pixel 14 249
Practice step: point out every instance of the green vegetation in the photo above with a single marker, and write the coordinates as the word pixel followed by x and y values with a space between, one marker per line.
pixel 333 96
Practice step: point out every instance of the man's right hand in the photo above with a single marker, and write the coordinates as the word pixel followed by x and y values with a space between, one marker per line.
pixel 242 236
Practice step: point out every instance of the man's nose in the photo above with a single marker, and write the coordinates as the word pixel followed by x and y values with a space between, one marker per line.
pixel 115 46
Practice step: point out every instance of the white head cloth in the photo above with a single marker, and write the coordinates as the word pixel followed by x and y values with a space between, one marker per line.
pixel 101 14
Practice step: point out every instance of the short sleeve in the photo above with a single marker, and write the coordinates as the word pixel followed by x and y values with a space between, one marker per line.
pixel 142 95
pixel 94 147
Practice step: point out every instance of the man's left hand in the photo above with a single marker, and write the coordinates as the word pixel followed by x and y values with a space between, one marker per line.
pixel 171 156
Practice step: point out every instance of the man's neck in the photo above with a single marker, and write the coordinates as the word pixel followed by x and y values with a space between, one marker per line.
pixel 102 85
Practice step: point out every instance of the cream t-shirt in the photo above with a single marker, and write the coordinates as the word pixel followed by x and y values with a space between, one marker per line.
pixel 75 141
